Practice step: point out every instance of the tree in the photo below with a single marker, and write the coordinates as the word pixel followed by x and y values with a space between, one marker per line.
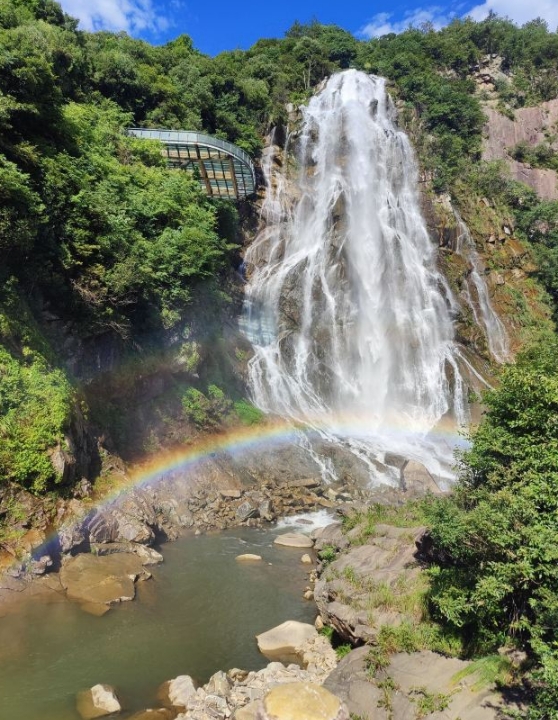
pixel 496 580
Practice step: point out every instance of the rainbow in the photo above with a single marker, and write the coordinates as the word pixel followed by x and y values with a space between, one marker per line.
pixel 275 434
pixel 266 436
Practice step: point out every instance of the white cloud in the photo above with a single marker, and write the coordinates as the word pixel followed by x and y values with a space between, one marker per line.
pixel 133 16
pixel 519 11
pixel 383 23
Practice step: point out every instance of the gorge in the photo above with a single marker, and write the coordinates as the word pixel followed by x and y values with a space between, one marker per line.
pixel 178 359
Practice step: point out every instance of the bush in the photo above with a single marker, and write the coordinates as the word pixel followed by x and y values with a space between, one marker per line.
pixel 247 413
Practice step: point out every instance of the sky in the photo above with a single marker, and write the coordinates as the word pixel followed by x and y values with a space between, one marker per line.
pixel 219 25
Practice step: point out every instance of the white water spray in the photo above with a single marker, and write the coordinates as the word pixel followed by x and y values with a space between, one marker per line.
pixel 349 318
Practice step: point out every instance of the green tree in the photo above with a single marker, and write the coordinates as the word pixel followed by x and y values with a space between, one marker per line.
pixel 496 581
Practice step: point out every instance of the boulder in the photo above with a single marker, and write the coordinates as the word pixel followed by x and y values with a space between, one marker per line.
pixel 283 642
pixel 98 701
pixel 41 565
pixel 306 559
pixel 71 537
pixel 101 580
pixel 266 510
pixel 301 701
pixel 245 511
pixel 248 557
pixel 218 684
pixel 177 692
pixel 416 479
pixel 295 540
pixel 330 536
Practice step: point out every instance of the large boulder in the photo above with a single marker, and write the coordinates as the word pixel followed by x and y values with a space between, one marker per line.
pixel 301 701
pixel 284 642
pixel 98 701
pixel 177 692
pixel 295 540
pixel 417 480
pixel 98 581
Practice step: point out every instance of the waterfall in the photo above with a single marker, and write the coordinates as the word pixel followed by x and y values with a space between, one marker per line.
pixel 350 320
pixel 475 292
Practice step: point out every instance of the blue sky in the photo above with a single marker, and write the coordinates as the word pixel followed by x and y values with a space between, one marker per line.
pixel 219 25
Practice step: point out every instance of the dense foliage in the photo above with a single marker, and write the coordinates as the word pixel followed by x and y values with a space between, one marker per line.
pixel 496 582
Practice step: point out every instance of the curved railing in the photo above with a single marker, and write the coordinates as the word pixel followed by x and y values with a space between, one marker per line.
pixel 193 139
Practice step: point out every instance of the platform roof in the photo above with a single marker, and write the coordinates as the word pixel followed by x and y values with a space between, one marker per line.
pixel 224 170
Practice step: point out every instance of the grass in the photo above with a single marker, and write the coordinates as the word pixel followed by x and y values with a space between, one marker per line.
pixel 407 595
pixel 427 702
pixel 412 514
pixel 327 554
pixel 410 637
pixel 388 686
pixel 491 670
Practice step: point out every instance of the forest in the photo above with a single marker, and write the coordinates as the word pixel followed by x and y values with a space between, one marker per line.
pixel 96 231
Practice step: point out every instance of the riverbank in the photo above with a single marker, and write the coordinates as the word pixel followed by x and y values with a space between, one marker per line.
pixel 368 589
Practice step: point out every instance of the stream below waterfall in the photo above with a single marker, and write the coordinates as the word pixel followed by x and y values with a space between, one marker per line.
pixel 199 614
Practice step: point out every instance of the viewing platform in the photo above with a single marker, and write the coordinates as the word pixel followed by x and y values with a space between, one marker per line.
pixel 224 170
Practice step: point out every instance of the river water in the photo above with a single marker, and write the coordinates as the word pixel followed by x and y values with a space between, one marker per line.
pixel 198 614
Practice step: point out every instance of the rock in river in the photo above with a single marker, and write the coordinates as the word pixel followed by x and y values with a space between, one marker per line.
pixel 248 557
pixel 98 581
pixel 283 642
pixel 177 692
pixel 98 701
pixel 296 540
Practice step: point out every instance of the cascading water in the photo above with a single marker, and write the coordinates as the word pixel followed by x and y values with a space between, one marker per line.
pixel 477 297
pixel 350 320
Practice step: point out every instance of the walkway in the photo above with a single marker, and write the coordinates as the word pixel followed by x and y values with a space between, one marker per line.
pixel 224 169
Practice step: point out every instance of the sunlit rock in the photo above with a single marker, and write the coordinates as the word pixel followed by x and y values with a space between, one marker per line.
pixel 98 701
pixel 283 642
pixel 295 540
pixel 301 701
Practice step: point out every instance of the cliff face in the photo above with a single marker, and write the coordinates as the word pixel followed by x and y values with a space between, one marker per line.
pixel 533 126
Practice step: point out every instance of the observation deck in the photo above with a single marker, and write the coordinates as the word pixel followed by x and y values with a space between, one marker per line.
pixel 224 170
